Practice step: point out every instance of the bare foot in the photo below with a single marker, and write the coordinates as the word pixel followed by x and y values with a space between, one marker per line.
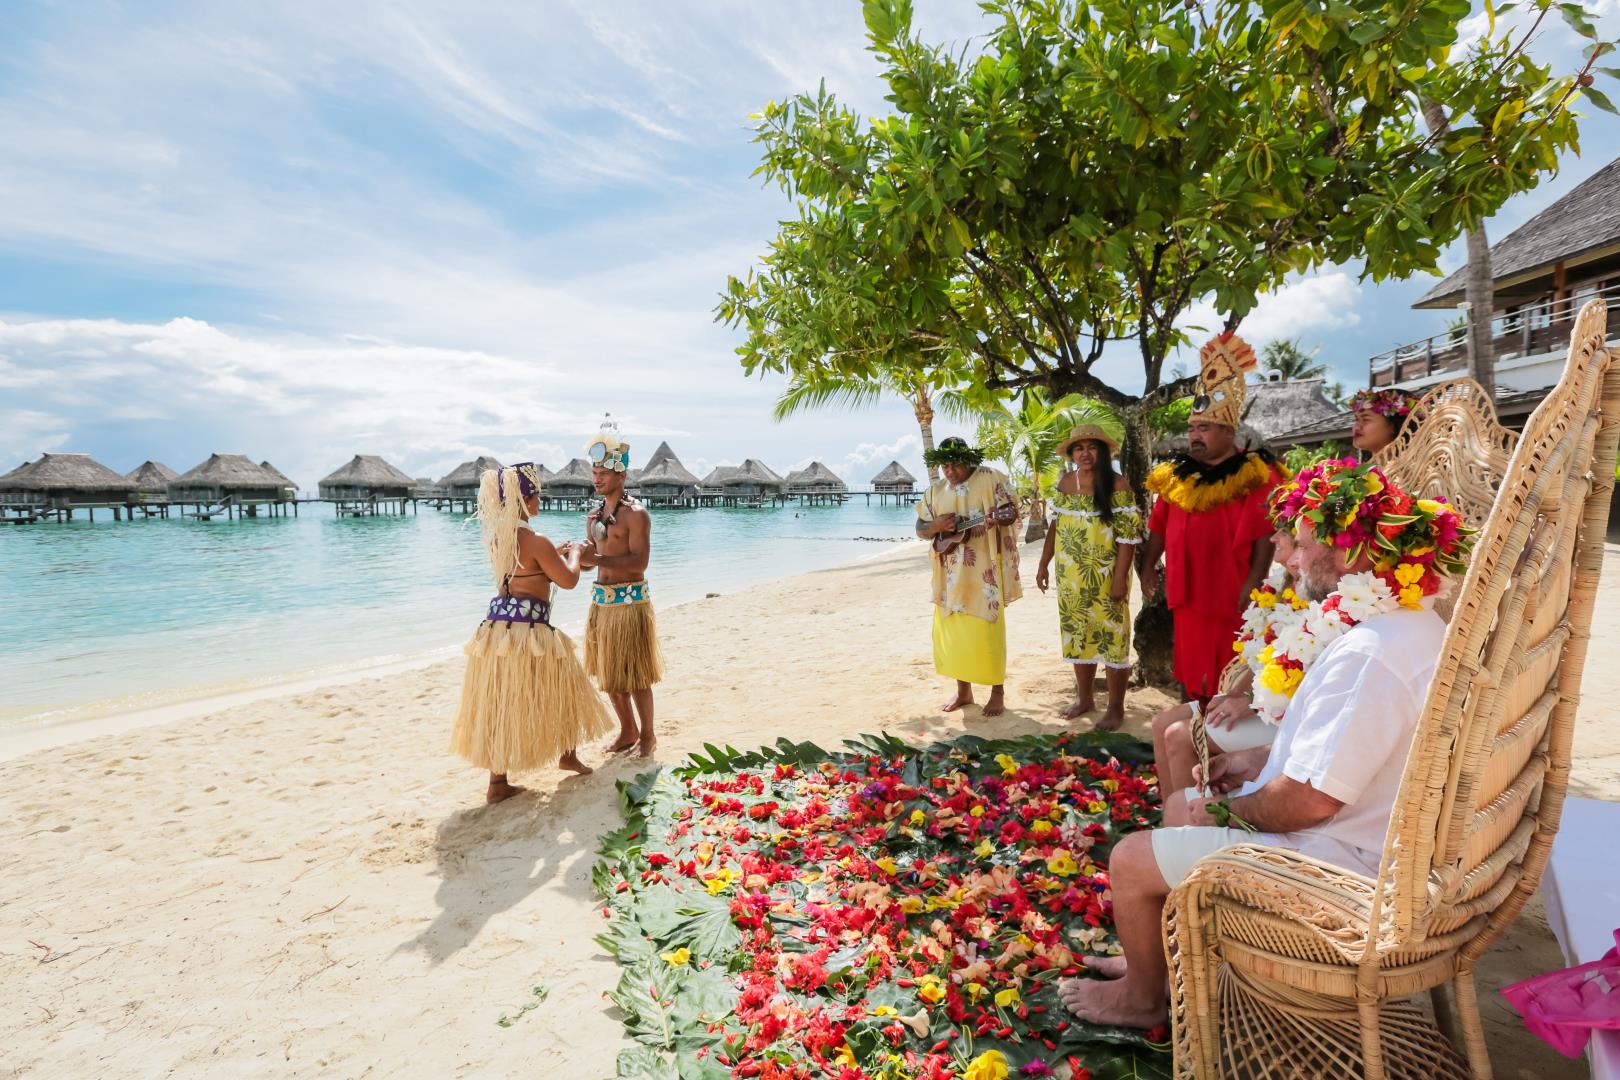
pixel 956 701
pixel 1078 709
pixel 500 791
pixel 570 761
pixel 627 740
pixel 1107 1003
pixel 648 744
pixel 1111 720
pixel 1109 967
pixel 996 705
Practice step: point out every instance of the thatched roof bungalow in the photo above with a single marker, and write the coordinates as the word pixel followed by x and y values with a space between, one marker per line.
pixel 367 476
pixel 1278 406
pixel 665 477
pixel 815 479
pixel 286 481
pixel 151 478
pixel 227 476
pixel 752 477
pixel 572 481
pixel 68 480
pixel 894 480
pixel 462 481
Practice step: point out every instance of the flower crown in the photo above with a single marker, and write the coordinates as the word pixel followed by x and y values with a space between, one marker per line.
pixel 1413 543
pixel 1394 404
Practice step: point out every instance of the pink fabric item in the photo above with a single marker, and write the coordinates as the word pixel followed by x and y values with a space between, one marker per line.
pixel 1564 1007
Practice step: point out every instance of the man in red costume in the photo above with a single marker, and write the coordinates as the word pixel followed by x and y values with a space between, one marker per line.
pixel 1209 522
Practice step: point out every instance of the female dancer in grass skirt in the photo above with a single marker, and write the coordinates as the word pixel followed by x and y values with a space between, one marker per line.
pixel 525 701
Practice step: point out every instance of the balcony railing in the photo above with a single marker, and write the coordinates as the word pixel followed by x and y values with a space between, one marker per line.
pixel 1525 331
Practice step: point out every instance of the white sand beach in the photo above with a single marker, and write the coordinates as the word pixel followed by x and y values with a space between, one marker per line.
pixel 309 885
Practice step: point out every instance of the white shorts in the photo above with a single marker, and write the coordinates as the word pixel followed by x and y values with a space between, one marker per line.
pixel 1247 734
pixel 1177 848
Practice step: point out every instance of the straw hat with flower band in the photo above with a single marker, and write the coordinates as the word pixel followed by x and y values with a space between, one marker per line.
pixel 1083 432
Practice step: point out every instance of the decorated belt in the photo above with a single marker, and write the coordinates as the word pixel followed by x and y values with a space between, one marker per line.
pixel 519 609
pixel 629 592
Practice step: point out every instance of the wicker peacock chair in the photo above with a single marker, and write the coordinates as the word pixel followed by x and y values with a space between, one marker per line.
pixel 1287 966
pixel 1452 446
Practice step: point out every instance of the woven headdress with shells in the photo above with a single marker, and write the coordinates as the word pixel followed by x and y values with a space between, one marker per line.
pixel 1223 362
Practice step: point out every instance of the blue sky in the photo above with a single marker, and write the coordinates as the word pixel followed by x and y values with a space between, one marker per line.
pixel 432 230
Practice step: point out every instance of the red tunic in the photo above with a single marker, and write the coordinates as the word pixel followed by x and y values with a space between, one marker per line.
pixel 1207 556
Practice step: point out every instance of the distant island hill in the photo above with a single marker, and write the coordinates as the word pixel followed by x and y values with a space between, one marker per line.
pixel 56 487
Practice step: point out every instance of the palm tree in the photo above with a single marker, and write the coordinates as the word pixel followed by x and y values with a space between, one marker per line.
pixel 1288 359
pixel 820 389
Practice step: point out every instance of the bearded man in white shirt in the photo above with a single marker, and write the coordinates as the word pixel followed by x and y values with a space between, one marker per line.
pixel 1371 558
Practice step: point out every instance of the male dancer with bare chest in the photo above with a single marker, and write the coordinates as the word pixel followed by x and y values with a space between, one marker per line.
pixel 621 635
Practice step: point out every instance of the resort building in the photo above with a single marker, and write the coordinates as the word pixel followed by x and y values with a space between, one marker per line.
pixel 461 483
pixel 816 482
pixel 367 478
pixel 286 481
pixel 231 479
pixel 57 484
pixel 1542 273
pixel 894 480
pixel 753 479
pixel 570 484
pixel 1275 407
pixel 664 480
pixel 151 480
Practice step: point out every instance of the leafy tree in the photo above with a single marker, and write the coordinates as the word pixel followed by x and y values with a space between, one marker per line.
pixel 1288 359
pixel 820 388
pixel 1097 167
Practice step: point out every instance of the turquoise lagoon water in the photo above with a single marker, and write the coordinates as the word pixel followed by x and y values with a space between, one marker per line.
pixel 108 615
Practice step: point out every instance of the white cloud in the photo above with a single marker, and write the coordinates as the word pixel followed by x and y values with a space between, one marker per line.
pixel 880 454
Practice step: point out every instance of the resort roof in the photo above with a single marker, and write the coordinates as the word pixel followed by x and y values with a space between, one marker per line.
pixel 226 470
pixel 1510 404
pixel 67 472
pixel 813 474
pixel 14 472
pixel 151 476
pixel 278 474
pixel 665 468
pixel 368 470
pixel 894 473
pixel 718 475
pixel 751 471
pixel 1275 408
pixel 469 472
pixel 576 472
pixel 1586 219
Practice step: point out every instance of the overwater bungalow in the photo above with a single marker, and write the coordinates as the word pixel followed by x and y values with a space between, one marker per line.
pixel 894 480
pixel 665 480
pixel 151 480
pixel 56 485
pixel 752 481
pixel 816 483
pixel 460 484
pixel 570 484
pixel 366 484
pixel 227 483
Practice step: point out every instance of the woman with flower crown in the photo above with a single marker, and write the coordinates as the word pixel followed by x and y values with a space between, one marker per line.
pixel 1352 675
pixel 525 699
pixel 1380 416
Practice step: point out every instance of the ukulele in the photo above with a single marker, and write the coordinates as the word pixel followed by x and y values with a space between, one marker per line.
pixel 945 543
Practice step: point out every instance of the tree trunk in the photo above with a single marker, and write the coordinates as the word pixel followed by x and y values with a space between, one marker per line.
pixel 1480 293
pixel 1478 289
pixel 1036 529
pixel 924 408
pixel 1154 629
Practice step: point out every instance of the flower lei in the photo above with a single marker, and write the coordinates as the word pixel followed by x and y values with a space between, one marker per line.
pixel 1273 608
pixel 1195 487
pixel 1291 646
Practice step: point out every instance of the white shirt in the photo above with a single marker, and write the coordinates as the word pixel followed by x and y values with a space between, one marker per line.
pixel 1349 728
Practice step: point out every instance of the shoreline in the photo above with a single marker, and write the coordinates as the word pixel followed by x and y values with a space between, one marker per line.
pixel 74 724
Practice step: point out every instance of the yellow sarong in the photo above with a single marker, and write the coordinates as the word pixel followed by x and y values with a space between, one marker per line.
pixel 970 649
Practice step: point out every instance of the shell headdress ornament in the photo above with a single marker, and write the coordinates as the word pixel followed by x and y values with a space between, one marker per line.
pixel 1223 362
pixel 608 450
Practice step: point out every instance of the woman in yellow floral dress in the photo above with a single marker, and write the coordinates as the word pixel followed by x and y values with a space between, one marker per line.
pixel 1096 526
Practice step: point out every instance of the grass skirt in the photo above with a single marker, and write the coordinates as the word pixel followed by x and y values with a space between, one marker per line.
pixel 621 647
pixel 525 701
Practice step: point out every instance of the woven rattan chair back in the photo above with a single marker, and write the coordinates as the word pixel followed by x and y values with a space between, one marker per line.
pixel 1282 965
pixel 1452 445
